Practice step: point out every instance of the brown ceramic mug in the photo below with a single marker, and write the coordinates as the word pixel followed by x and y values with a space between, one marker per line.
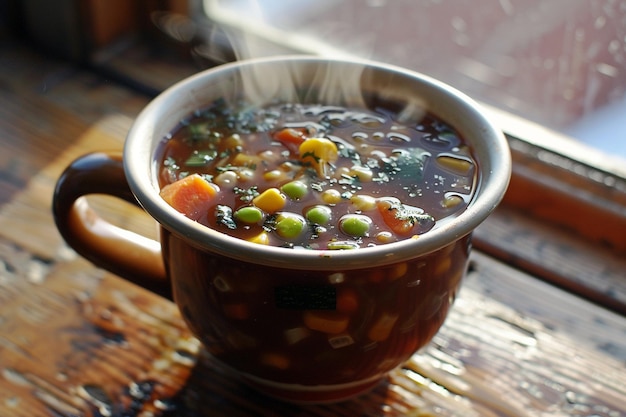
pixel 231 292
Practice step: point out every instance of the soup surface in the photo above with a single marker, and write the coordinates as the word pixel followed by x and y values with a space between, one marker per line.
pixel 316 176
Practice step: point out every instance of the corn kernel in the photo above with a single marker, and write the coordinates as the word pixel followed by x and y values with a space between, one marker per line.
pixel 443 266
pixel 451 201
pixel 233 141
pixel 331 196
pixel 364 174
pixel 456 165
pixel 397 271
pixel 363 202
pixel 318 153
pixel 274 175
pixel 262 239
pixel 384 237
pixel 270 200
pixel 245 160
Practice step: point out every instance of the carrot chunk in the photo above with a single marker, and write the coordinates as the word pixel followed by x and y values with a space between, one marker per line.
pixel 191 195
pixel 381 329
pixel 328 322
pixel 291 138
pixel 347 301
pixel 403 219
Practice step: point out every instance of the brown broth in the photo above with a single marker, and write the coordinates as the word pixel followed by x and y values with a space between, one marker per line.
pixel 421 170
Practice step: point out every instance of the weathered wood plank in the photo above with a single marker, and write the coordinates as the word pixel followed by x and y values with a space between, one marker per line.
pixel 76 341
pixel 512 346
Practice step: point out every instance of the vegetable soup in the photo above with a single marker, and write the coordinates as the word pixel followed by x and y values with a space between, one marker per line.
pixel 315 176
pixel 322 178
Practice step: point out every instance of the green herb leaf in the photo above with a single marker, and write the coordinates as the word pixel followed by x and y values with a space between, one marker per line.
pixel 201 158
pixel 224 215
pixel 246 194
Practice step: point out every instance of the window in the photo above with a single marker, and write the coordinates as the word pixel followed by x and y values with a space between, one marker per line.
pixel 558 63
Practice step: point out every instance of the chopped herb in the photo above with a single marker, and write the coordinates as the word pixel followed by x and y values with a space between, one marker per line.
pixel 348 180
pixel 201 158
pixel 382 177
pixel 207 177
pixel 413 215
pixel 246 194
pixel 269 225
pixel 228 167
pixel 170 163
pixel 311 154
pixel 318 186
pixel 348 152
pixel 224 215
pixel 405 163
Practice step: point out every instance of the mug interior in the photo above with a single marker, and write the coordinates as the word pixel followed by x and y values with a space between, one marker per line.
pixel 333 82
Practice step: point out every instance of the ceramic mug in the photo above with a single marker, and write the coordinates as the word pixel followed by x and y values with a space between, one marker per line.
pixel 231 293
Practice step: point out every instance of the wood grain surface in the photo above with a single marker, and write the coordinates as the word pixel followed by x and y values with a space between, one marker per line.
pixel 77 341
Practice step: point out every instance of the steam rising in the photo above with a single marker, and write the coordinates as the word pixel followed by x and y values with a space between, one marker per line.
pixel 248 36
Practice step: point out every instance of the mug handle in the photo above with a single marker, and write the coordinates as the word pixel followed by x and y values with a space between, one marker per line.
pixel 130 255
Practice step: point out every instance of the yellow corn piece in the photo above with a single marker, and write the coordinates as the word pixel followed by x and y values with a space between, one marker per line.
pixel 244 160
pixel 270 200
pixel 397 271
pixel 274 175
pixel 443 266
pixel 233 141
pixel 331 196
pixel 364 174
pixel 262 239
pixel 328 322
pixel 451 201
pixel 381 329
pixel 318 153
pixel 457 165
pixel 363 202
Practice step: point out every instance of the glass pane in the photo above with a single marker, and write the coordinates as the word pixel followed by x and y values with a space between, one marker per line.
pixel 559 63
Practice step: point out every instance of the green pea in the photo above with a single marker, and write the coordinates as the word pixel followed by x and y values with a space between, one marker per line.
pixel 295 190
pixel 319 215
pixel 249 215
pixel 355 225
pixel 289 225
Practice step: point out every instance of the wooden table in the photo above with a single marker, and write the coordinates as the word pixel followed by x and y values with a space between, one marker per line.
pixel 77 341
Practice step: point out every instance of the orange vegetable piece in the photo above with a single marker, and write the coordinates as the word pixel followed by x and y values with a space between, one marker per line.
pixel 347 301
pixel 291 138
pixel 381 329
pixel 389 211
pixel 329 322
pixel 191 195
